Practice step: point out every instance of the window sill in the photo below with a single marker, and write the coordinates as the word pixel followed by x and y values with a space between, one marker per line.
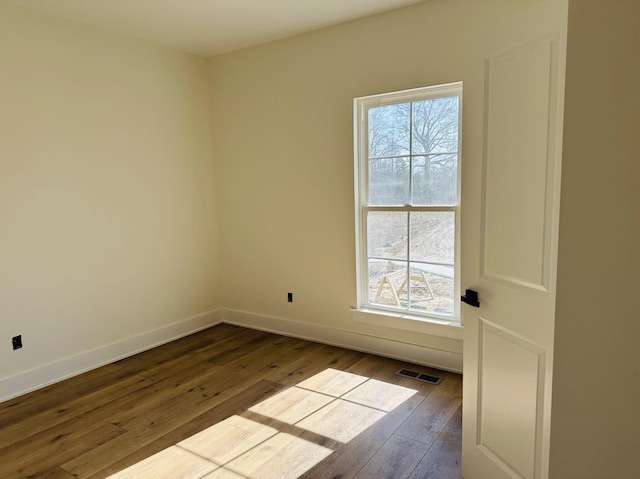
pixel 431 326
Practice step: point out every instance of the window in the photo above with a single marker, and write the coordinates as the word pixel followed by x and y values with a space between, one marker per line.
pixel 407 201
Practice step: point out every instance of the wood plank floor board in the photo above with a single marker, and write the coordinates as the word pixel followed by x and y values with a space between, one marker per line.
pixel 168 352
pixel 97 468
pixel 189 364
pixel 215 348
pixel 347 461
pixel 430 418
pixel 396 459
pixel 282 456
pixel 451 385
pixel 56 473
pixel 160 417
pixel 351 414
pixel 163 394
pixel 171 462
pixel 234 343
pixel 57 395
pixel 270 357
pixel 100 405
pixel 38 454
pixel 385 369
pixel 443 459
pixel 188 401
pixel 313 362
pixel 333 382
pixel 294 430
pixel 292 405
pixel 235 348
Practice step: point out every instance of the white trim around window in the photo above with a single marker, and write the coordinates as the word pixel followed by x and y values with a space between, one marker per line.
pixel 407 208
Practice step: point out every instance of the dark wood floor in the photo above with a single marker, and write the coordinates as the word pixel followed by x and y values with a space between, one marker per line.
pixel 101 422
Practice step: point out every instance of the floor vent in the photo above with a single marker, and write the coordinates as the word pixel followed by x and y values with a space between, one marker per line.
pixel 427 378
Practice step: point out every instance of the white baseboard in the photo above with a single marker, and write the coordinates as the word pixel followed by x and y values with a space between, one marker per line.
pixel 22 383
pixel 40 377
pixel 447 360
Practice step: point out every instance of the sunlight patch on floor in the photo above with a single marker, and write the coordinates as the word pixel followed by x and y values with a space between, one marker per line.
pixel 379 395
pixel 173 462
pixel 281 457
pixel 333 404
pixel 291 405
pixel 228 439
pixel 332 382
pixel 341 420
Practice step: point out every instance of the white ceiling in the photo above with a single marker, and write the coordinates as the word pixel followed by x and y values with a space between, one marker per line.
pixel 211 27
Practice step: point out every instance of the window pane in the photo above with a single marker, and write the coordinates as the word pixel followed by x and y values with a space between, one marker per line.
pixel 389 130
pixel 435 126
pixel 432 253
pixel 433 237
pixel 385 282
pixel 435 180
pixel 387 234
pixel 389 181
pixel 431 293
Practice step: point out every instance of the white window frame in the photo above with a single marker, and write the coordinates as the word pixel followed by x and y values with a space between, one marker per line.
pixel 376 313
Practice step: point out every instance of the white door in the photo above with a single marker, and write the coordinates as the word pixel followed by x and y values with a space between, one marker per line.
pixel 511 263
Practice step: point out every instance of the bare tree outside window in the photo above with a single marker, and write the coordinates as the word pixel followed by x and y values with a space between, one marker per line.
pixel 417 140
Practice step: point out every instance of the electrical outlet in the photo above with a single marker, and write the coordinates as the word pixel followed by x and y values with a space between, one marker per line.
pixel 290 297
pixel 17 342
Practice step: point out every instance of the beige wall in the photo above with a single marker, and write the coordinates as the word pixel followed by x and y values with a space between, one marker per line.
pixel 107 199
pixel 284 146
pixel 596 392
pixel 107 208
